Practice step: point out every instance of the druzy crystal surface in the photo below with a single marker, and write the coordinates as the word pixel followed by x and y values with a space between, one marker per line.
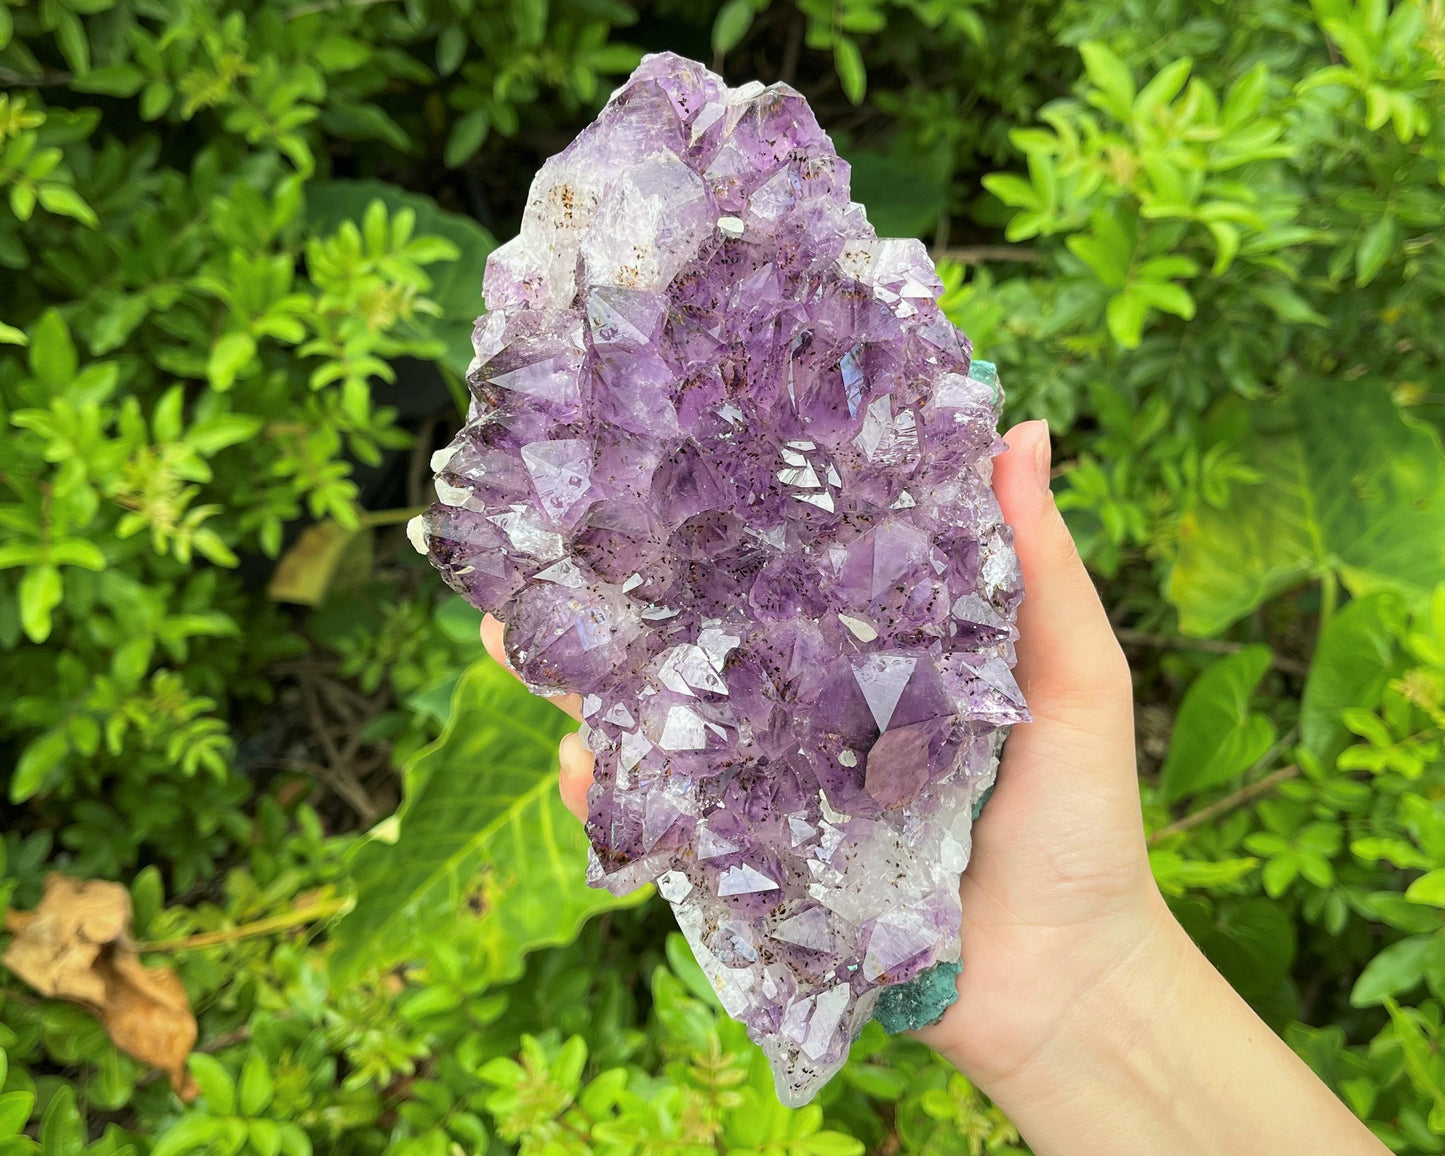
pixel 726 475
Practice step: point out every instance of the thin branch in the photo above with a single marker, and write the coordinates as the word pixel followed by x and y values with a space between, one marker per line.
pixel 788 73
pixel 44 80
pixel 308 914
pixel 979 254
pixel 331 6
pixel 339 776
pixel 1223 806
pixel 1143 638
pixel 372 518
pixel 420 456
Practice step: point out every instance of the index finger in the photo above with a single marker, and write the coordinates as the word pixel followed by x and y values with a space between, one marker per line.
pixel 492 633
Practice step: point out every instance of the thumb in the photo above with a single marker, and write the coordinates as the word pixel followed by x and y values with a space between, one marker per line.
pixel 1070 666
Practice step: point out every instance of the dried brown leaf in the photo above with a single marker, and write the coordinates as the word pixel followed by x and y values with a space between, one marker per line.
pixel 76 946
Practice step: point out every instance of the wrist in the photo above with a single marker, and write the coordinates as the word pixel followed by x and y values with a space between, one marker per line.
pixel 1161 1055
pixel 1115 1037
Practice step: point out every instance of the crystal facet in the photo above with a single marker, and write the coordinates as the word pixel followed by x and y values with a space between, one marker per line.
pixel 726 475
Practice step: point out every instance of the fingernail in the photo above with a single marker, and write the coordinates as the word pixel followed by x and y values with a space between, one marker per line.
pixel 1043 453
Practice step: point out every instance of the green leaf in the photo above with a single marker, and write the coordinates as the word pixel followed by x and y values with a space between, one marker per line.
pixel 1125 316
pixel 1429 889
pixel 265 1136
pixel 40 593
pixel 9 335
pixel 52 353
pixel 730 25
pixel 15 1110
pixel 229 356
pixel 852 75
pixel 451 48
pixel 256 1084
pixel 211 436
pixel 1166 84
pixel 466 137
pixel 123 80
pixel 1369 507
pixel 1351 664
pixel 215 1083
pixel 1110 264
pixel 828 1144
pixel 36 763
pixel 1111 77
pixel 70 36
pixel 1246 97
pixel 1216 736
pixel 62 1131
pixel 191 1133
pixel 66 202
pixel 1398 968
pixel 1379 244
pixel 459 620
pixel 456 284
pixel 482 811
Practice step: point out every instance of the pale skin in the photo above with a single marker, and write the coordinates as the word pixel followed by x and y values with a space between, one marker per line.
pixel 1085 1011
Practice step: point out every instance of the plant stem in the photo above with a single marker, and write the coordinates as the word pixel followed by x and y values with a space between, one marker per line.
pixel 1226 804
pixel 370 518
pixel 312 912
pixel 1329 598
pixel 1143 638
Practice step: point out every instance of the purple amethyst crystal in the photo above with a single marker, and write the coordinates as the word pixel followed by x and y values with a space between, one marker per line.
pixel 727 476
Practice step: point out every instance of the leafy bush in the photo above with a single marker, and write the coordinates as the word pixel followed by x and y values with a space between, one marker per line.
pixel 241 246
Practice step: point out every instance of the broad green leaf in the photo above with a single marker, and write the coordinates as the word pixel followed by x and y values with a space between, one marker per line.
pixel 1350 486
pixel 456 284
pixel 1216 736
pixel 482 815
pixel 1252 942
pixel 458 619
pixel 904 189
pixel 1398 968
pixel 1350 666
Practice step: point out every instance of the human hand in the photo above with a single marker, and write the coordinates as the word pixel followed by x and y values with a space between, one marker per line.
pixel 1084 1009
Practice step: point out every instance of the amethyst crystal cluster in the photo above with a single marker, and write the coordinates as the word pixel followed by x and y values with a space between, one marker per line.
pixel 727 476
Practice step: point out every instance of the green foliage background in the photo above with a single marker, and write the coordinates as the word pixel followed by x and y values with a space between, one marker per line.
pixel 240 248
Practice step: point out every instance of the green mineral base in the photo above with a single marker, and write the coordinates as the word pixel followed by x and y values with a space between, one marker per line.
pixel 921 1001
pixel 924 998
